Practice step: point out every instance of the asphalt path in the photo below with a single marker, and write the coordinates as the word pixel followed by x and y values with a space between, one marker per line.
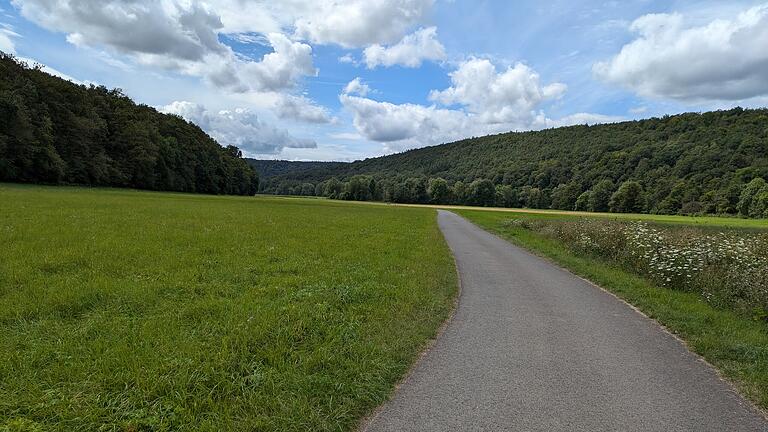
pixel 531 347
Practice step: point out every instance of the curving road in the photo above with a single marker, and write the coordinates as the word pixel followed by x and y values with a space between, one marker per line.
pixel 532 347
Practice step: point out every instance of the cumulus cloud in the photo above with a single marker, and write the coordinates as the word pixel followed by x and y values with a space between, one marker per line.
pixel 6 43
pixel 149 27
pixel 410 52
pixel 723 60
pixel 405 126
pixel 282 68
pixel 301 108
pixel 507 97
pixel 347 59
pixel 356 86
pixel 185 37
pixel 359 23
pixel 480 101
pixel 173 35
pixel 238 127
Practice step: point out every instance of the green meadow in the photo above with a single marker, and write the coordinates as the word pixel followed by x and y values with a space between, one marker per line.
pixel 129 311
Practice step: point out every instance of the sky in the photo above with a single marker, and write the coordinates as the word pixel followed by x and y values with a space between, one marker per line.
pixel 351 79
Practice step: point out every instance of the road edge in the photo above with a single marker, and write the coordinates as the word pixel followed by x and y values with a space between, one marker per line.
pixel 365 422
pixel 733 386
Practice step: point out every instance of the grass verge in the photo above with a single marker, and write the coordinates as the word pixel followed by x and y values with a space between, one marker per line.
pixel 126 311
pixel 699 221
pixel 735 345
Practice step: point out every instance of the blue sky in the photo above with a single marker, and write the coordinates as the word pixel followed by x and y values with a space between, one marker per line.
pixel 344 80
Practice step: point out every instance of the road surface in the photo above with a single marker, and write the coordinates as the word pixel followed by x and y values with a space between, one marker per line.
pixel 532 347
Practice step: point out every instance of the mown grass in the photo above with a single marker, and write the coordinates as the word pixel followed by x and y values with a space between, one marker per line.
pixel 735 344
pixel 133 311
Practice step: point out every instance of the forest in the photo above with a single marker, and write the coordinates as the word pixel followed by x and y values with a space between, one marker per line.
pixel 693 163
pixel 53 131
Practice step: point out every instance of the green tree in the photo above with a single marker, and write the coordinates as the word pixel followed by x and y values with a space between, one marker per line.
pixel 532 197
pixel 748 194
pixel 308 189
pixel 600 197
pixel 506 196
pixel 582 203
pixel 359 188
pixel 333 188
pixel 460 193
pixel 564 196
pixel 54 131
pixel 401 193
pixel 438 191
pixel 673 203
pixel 727 199
pixel 628 199
pixel 759 207
pixel 482 192
pixel 416 190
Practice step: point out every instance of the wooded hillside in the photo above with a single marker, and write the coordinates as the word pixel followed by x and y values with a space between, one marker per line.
pixel 689 163
pixel 57 132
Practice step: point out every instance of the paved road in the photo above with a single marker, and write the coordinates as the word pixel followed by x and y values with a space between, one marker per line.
pixel 532 347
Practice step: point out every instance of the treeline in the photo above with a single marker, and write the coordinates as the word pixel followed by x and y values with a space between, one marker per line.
pixel 56 132
pixel 751 200
pixel 684 164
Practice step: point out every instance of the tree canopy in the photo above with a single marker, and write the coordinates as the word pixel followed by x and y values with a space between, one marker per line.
pixel 57 132
pixel 694 163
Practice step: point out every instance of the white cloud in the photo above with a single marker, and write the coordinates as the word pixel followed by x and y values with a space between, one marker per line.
pixel 6 39
pixel 282 68
pixel 725 59
pixel 485 101
pixel 6 44
pixel 301 108
pixel 405 126
pixel 359 23
pixel 238 127
pixel 173 35
pixel 410 52
pixel 350 23
pixel 356 86
pixel 149 27
pixel 511 96
pixel 347 59
pixel 349 136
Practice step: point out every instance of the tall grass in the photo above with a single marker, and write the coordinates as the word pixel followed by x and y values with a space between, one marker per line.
pixel 128 311
pixel 728 268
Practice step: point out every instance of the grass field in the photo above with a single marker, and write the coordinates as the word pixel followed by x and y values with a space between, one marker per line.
pixel 736 344
pixel 132 311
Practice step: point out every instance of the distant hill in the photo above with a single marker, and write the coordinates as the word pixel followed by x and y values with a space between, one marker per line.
pixel 275 168
pixel 688 163
pixel 56 132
